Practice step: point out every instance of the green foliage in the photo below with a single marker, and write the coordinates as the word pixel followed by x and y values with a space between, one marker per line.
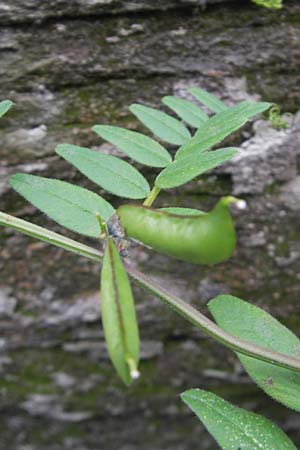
pixel 164 126
pixel 254 325
pixel 220 126
pixel 5 105
pixel 211 101
pixel 186 110
pixel 71 206
pixel 139 147
pixel 185 169
pixel 109 172
pixel 118 315
pixel 272 4
pixel 192 159
pixel 276 118
pixel 187 234
pixel 232 427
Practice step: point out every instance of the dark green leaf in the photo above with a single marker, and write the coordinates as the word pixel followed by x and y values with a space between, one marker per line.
pixel 164 126
pixel 5 105
pixel 186 110
pixel 254 325
pixel 71 206
pixel 221 125
pixel 183 170
pixel 118 315
pixel 139 147
pixel 234 428
pixel 211 101
pixel 109 172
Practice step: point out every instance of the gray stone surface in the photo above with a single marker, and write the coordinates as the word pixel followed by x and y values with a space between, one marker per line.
pixel 290 194
pixel 268 157
pixel 85 66
pixel 37 10
pixel 7 303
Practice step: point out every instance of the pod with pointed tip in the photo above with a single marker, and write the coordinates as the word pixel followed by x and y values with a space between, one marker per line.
pixel 200 239
pixel 118 315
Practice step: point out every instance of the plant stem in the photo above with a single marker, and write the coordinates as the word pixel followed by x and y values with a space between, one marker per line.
pixel 183 308
pixel 102 226
pixel 49 236
pixel 197 318
pixel 152 196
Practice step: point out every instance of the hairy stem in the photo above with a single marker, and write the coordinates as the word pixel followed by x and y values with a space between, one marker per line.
pixel 184 309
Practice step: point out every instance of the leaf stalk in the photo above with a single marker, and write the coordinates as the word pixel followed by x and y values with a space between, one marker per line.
pixel 152 196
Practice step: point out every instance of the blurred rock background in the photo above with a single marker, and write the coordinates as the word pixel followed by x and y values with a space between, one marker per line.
pixel 68 66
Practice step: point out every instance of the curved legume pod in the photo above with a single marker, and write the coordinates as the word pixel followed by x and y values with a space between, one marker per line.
pixel 201 239
pixel 118 315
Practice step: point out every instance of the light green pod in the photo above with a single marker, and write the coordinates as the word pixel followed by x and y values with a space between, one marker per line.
pixel 201 239
pixel 118 315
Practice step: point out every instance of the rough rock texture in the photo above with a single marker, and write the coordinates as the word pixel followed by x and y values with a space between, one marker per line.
pixel 58 390
pixel 269 157
pixel 37 10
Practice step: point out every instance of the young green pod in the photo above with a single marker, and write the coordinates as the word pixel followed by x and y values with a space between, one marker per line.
pixel 118 315
pixel 201 239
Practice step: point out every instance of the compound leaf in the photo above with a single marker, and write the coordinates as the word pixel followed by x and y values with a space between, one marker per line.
pixel 254 325
pixel 71 206
pixel 139 147
pixel 5 105
pixel 183 170
pixel 234 428
pixel 186 110
pixel 221 125
pixel 211 101
pixel 161 124
pixel 109 172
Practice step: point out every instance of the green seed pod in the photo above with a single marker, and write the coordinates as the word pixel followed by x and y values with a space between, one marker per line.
pixel 118 315
pixel 201 239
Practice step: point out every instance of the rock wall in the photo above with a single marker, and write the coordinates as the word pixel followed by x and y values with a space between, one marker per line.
pixel 38 11
pixel 85 66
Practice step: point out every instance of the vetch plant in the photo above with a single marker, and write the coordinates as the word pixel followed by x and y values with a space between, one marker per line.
pixel 269 352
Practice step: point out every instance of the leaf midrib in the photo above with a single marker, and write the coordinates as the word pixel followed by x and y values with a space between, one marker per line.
pixel 61 198
pixel 143 146
pixel 174 130
pixel 209 158
pixel 190 108
pixel 115 175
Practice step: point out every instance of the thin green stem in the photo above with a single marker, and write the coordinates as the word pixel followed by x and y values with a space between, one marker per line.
pixel 184 309
pixel 199 320
pixel 102 226
pixel 50 237
pixel 152 196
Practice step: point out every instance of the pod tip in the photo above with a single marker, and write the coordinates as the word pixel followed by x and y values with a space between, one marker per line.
pixel 135 374
pixel 238 202
pixel 241 204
